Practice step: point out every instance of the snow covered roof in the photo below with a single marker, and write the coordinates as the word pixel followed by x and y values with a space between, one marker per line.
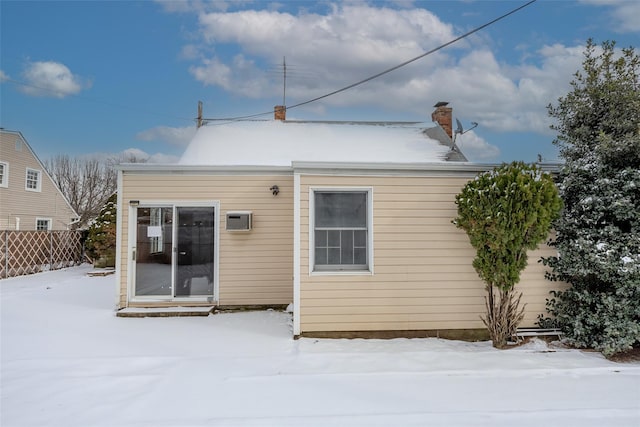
pixel 279 143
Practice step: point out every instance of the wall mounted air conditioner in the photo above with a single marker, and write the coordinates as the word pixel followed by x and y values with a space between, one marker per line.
pixel 239 221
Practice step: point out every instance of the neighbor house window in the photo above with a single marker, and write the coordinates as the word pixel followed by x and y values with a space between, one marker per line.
pixel 341 230
pixel 4 174
pixel 34 178
pixel 43 224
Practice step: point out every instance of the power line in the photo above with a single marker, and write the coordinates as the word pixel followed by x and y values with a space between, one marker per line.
pixel 375 76
pixel 368 79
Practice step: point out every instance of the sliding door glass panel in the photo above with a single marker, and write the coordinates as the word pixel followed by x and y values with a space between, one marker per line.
pixel 195 243
pixel 153 251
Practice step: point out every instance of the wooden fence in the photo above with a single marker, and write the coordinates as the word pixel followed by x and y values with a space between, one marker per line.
pixel 28 252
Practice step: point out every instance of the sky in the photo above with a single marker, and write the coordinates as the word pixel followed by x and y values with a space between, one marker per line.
pixel 92 78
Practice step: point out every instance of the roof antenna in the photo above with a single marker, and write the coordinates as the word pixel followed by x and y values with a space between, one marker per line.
pixel 284 81
pixel 199 118
pixel 460 131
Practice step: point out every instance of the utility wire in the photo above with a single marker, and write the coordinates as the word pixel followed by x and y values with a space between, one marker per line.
pixel 414 59
pixel 368 79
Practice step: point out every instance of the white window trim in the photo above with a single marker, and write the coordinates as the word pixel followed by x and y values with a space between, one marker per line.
pixel 312 255
pixel 49 223
pixel 38 188
pixel 5 175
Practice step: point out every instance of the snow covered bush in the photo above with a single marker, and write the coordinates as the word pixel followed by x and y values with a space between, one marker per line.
pixel 506 212
pixel 598 234
pixel 101 239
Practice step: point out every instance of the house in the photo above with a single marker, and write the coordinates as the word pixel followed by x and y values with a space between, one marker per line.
pixel 349 221
pixel 29 199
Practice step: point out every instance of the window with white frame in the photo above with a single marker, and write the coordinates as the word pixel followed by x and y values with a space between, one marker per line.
pixel 43 224
pixel 33 180
pixel 341 230
pixel 4 174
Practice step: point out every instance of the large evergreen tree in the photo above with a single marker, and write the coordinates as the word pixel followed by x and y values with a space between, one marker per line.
pixel 598 235
pixel 506 212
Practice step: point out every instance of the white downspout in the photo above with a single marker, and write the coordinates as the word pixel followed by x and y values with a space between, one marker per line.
pixel 296 254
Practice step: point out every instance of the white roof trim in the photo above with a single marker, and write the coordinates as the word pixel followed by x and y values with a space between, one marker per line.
pixel 201 169
pixel 319 167
pixel 432 166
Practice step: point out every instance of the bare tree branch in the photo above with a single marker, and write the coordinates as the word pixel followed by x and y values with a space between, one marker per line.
pixel 86 182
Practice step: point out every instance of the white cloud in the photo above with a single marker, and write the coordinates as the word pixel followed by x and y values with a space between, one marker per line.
pixel 241 76
pixel 174 136
pixel 189 52
pixel 352 41
pixel 48 78
pixel 325 51
pixel 625 13
pixel 213 72
pixel 186 6
pixel 476 149
pixel 3 76
pixel 135 154
pixel 131 155
pixel 628 15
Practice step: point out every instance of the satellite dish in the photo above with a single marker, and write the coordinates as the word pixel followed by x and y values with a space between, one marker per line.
pixel 459 127
pixel 461 131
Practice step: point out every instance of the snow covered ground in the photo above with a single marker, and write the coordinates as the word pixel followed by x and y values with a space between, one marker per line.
pixel 68 361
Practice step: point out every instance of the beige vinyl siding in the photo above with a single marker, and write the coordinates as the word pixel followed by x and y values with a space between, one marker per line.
pixel 17 202
pixel 422 279
pixel 255 267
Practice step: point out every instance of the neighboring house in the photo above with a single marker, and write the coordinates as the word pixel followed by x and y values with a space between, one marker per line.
pixel 350 221
pixel 29 199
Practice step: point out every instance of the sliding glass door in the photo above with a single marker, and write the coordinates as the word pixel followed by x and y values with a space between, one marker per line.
pixel 194 270
pixel 174 252
pixel 154 246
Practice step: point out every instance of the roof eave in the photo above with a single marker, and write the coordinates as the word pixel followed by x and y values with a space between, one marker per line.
pixel 179 168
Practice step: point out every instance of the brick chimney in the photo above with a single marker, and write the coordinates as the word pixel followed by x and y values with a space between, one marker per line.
pixel 280 112
pixel 443 116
